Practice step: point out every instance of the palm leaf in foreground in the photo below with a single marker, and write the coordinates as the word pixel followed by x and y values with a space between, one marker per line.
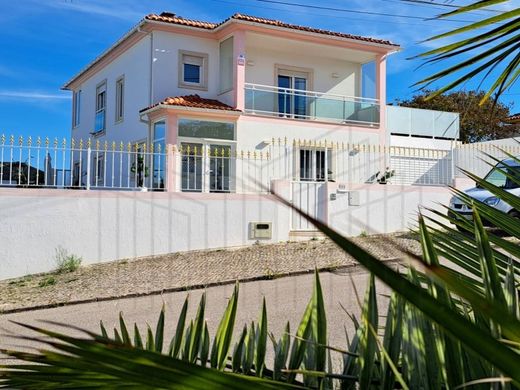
pixel 100 362
pixel 496 49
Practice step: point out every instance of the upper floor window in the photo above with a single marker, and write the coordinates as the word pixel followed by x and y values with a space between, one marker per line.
pixel 120 96
pixel 101 102
pixel 76 106
pixel 226 65
pixel 193 70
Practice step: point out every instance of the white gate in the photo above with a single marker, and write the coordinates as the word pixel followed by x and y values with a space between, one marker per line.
pixel 307 196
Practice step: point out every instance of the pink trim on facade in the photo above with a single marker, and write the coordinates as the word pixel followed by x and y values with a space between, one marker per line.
pixel 305 123
pixel 381 95
pixel 239 73
pixel 64 193
pixel 396 188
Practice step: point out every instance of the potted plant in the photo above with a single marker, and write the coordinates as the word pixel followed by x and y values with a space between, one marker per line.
pixel 142 171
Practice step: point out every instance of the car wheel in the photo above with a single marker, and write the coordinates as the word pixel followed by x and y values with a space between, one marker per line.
pixel 515 214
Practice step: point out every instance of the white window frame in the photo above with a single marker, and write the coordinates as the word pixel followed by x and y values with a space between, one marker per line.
pixel 76 108
pixel 204 58
pixel 101 88
pixel 98 168
pixel 205 156
pixel 120 99
pixel 329 164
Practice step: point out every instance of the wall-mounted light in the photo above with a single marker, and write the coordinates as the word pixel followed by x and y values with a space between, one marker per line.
pixel 334 75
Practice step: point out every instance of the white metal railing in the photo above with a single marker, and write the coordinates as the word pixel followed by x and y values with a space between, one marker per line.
pixel 25 162
pixel 80 165
pixel 476 159
pixel 310 105
pixel 317 161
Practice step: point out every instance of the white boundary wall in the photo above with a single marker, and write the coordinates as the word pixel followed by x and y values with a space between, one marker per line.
pixel 102 226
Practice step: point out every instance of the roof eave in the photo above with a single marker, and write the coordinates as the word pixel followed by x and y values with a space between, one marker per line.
pixel 390 47
pixel 157 107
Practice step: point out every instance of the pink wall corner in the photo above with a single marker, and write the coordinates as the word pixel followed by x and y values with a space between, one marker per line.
pixel 171 141
pixel 239 49
pixel 381 95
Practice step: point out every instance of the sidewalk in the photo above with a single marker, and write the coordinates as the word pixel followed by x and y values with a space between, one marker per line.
pixel 182 271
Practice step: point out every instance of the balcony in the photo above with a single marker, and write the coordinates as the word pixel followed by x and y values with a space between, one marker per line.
pixel 310 105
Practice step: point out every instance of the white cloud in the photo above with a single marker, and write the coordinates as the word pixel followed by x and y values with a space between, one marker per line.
pixel 33 95
pixel 119 10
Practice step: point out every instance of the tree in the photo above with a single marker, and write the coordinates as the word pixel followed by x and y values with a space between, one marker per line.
pixel 478 122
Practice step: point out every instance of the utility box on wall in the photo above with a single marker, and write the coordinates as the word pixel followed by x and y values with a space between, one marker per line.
pixel 260 230
pixel 353 198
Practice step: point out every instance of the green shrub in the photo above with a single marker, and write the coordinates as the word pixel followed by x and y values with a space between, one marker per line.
pixel 65 261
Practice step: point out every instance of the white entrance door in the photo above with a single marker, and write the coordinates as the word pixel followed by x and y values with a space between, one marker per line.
pixel 308 196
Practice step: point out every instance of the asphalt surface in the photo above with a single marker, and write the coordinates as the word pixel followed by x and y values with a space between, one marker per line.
pixel 286 300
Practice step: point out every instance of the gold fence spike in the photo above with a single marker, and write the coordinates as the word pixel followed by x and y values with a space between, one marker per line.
pixel 81 143
pixel 113 146
pixel 152 147
pixel 3 139
pixel 12 139
pixel 38 141
pixel 20 140
pixel 29 141
pixel 46 142
pixel 128 146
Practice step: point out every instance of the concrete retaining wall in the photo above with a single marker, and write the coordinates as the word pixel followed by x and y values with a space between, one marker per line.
pixel 102 226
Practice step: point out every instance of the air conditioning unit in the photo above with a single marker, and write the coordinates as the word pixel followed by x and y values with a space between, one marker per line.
pixel 260 230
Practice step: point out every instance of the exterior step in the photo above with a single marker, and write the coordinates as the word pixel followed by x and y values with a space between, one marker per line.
pixel 305 235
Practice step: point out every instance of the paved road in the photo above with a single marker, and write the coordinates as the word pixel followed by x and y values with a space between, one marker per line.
pixel 286 300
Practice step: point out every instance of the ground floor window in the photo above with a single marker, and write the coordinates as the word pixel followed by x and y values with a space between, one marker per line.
pixel 158 155
pixel 207 148
pixel 315 165
pixel 99 169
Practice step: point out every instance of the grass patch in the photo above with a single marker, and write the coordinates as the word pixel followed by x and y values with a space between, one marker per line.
pixel 48 281
pixel 65 261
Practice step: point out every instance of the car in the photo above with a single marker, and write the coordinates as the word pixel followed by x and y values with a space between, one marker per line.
pixel 459 209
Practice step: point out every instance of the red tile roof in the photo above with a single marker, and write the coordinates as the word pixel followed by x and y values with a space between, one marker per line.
pixel 168 17
pixel 513 118
pixel 193 101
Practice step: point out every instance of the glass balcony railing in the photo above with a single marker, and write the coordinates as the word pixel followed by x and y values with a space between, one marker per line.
pixel 310 105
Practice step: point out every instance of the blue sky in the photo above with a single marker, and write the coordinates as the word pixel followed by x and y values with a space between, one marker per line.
pixel 45 42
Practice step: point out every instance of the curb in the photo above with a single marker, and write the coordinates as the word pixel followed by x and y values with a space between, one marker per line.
pixel 187 288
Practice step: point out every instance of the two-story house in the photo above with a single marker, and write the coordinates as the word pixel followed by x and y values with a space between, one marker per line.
pixel 233 85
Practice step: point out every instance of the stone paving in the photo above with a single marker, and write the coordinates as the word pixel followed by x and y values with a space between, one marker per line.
pixel 177 271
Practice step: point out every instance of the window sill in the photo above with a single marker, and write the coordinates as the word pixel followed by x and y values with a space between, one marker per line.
pixel 98 134
pixel 193 86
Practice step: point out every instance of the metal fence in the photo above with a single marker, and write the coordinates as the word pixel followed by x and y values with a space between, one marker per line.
pixel 27 162
pixel 80 165
pixel 477 158
pixel 358 163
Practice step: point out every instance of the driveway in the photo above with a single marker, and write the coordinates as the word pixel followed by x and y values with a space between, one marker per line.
pixel 286 299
